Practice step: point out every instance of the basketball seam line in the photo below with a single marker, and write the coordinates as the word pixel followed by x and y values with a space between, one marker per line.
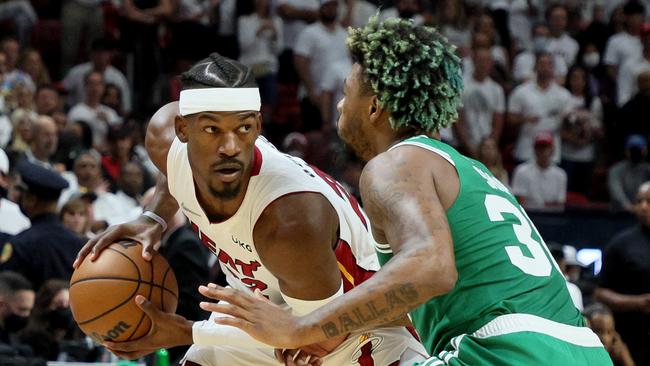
pixel 148 298
pixel 123 302
pixel 162 293
pixel 123 279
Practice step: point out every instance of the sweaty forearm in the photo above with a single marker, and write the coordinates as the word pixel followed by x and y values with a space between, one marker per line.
pixel 392 292
pixel 163 203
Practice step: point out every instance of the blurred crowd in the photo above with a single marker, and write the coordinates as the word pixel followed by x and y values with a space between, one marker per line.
pixel 556 104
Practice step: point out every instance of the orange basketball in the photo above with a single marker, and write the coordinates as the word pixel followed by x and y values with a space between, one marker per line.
pixel 102 292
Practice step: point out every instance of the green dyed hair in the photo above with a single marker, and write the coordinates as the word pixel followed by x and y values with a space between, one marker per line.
pixel 413 70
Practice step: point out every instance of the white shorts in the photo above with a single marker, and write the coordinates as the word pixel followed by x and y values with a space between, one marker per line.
pixel 381 347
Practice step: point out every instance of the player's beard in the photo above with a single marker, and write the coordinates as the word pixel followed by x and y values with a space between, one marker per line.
pixel 228 192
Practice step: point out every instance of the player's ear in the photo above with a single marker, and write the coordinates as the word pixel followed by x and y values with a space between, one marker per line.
pixel 375 110
pixel 180 125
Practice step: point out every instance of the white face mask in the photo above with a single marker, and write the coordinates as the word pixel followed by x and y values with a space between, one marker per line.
pixel 591 59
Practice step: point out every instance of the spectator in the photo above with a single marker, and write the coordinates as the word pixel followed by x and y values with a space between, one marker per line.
pixel 580 131
pixel 124 205
pixel 559 42
pixel 332 92
pixel 537 106
pixel 260 43
pixel 23 125
pixel 483 104
pixel 359 12
pixel 97 115
pixel 625 177
pixel 12 75
pixel 489 155
pixel 17 299
pixel 75 215
pixel 601 321
pixel 485 35
pixel 22 15
pixel 51 320
pixel 47 249
pixel 44 142
pixel 632 68
pixel 522 15
pixel 451 21
pixel 112 98
pixel 32 64
pixel 410 9
pixel 626 44
pixel 21 96
pixel 318 45
pixel 13 221
pixel 47 100
pixel 624 282
pixel 634 114
pixel 539 184
pixel 296 15
pixel 101 56
pixel 524 64
pixel 558 254
pixel 79 18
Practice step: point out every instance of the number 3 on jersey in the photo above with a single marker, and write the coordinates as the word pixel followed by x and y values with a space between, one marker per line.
pixel 538 264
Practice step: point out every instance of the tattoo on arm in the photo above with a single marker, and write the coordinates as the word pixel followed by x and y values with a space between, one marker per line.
pixel 401 298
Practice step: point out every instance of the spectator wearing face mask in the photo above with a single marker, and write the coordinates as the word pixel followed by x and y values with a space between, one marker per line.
pixel 16 303
pixel 51 321
pixel 626 176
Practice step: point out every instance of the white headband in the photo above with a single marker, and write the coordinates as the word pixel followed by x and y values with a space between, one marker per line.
pixel 219 100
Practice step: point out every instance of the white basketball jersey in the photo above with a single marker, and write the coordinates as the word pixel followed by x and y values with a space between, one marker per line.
pixel 274 175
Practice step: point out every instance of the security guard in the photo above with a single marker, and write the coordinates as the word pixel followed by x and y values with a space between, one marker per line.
pixel 47 249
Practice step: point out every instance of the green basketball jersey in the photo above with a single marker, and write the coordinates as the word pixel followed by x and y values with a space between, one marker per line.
pixel 503 264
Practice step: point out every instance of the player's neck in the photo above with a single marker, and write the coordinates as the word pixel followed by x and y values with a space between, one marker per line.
pixel 220 209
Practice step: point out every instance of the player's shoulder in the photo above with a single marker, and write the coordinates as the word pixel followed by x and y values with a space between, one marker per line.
pixel 398 162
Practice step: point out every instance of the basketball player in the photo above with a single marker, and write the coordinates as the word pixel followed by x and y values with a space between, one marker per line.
pixel 458 251
pixel 277 225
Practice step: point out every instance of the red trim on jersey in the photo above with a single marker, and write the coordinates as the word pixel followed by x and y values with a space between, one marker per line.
pixel 396 363
pixel 366 355
pixel 346 258
pixel 411 329
pixel 257 162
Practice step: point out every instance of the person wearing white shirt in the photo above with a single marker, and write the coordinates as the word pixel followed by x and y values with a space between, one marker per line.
pixel 260 43
pixel 539 184
pixel 98 116
pixel 625 45
pixel 632 68
pixel 319 45
pixel 523 68
pixel 580 130
pixel 483 104
pixel 559 42
pixel 359 12
pixel 123 205
pixel 332 91
pixel 522 14
pixel 100 60
pixel 536 106
pixel 296 15
pixel 13 221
